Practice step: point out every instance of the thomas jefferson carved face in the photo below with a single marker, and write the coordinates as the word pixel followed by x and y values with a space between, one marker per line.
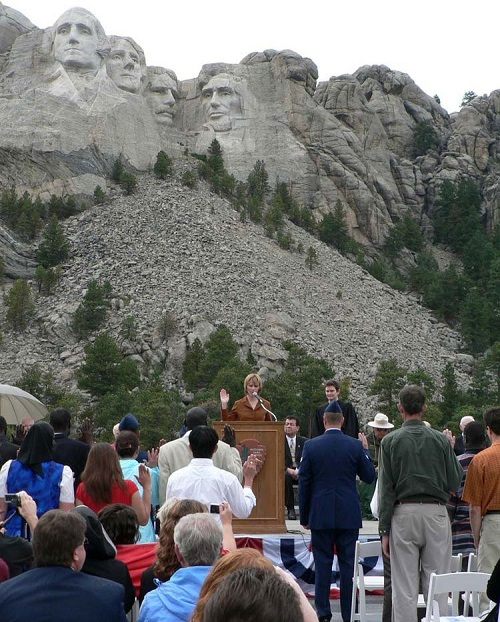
pixel 77 39
pixel 123 65
pixel 221 102
pixel 162 96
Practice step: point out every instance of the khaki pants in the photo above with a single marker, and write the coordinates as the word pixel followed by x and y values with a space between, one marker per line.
pixel 420 543
pixel 489 551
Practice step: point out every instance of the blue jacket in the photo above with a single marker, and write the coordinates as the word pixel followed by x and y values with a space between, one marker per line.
pixel 44 490
pixel 174 600
pixel 328 497
pixel 59 594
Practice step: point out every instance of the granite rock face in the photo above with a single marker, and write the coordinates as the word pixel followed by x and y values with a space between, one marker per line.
pixel 12 24
pixel 350 139
pixel 212 269
pixel 66 113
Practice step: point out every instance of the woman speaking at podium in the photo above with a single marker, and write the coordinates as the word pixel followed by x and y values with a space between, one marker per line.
pixel 252 407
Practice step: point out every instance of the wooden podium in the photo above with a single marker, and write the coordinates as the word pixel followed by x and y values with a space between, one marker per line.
pixel 268 516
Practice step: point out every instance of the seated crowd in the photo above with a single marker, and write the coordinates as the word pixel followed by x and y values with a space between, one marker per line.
pixel 83 536
pixel 82 545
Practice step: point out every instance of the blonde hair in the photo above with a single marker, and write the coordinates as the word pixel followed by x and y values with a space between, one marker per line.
pixel 254 378
pixel 241 558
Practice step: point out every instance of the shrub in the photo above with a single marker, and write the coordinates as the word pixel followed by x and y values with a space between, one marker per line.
pixel 128 182
pixel 99 196
pixel 189 179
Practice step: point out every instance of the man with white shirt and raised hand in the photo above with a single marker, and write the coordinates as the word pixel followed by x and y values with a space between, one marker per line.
pixel 176 454
pixel 203 481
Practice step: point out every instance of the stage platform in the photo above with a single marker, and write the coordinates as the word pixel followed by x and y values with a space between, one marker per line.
pixel 292 551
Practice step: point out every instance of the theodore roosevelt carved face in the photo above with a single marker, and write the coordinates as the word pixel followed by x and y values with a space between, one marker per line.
pixel 162 94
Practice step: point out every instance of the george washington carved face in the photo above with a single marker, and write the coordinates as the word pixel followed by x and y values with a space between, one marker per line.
pixel 79 40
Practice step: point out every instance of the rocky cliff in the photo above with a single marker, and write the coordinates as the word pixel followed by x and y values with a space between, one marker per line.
pixel 67 113
pixel 169 248
pixel 349 139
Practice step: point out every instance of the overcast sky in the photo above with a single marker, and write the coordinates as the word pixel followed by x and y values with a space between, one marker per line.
pixel 447 47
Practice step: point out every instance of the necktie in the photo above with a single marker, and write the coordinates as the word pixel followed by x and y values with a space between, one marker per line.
pixel 292 450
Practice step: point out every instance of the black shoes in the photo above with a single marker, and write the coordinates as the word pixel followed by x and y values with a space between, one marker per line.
pixel 325 618
pixel 291 514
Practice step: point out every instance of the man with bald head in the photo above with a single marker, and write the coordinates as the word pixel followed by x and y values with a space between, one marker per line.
pixel 459 446
pixel 176 454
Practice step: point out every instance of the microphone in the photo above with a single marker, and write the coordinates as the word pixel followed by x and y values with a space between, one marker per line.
pixel 256 395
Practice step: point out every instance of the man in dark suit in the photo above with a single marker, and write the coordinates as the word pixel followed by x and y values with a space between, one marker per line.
pixel 329 506
pixel 67 450
pixel 293 453
pixel 351 423
pixel 56 590
pixel 8 451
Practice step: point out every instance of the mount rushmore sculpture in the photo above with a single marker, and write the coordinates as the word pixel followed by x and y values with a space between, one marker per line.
pixel 73 98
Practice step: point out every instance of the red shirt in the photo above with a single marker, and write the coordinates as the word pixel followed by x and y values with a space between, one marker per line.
pixel 118 495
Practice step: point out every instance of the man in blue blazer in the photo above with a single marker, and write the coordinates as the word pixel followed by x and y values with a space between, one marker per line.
pixel 329 506
pixel 56 590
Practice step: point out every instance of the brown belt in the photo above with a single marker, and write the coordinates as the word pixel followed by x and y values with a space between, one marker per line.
pixel 492 512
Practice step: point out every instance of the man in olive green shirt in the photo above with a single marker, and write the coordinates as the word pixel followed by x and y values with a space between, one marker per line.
pixel 417 471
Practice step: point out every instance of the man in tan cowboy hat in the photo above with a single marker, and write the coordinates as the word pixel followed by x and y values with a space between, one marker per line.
pixel 374 433
pixel 380 427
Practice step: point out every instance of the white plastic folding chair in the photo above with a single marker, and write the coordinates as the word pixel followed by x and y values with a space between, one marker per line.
pixel 454 583
pixel 472 563
pixel 362 583
pixel 471 567
pixel 455 566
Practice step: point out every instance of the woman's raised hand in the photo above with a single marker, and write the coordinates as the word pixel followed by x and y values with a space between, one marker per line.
pixel 224 398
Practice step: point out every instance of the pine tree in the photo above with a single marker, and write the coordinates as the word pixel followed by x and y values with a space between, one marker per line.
pixel 20 307
pixel 389 380
pixel 99 196
pixel 117 170
pixel 128 182
pixel 91 313
pixel 258 182
pixel 105 369
pixel 450 394
pixel 54 248
pixel 424 138
pixel 214 157
pixel 311 258
pixel 163 166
